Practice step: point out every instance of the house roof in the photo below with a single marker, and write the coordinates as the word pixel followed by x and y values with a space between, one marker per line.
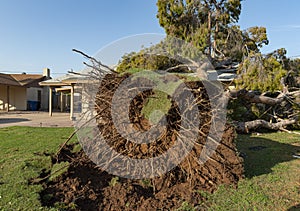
pixel 56 81
pixel 26 80
pixel 65 80
pixel 8 80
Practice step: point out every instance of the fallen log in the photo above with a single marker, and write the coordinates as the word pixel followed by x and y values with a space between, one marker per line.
pixel 246 127
pixel 279 112
pixel 251 97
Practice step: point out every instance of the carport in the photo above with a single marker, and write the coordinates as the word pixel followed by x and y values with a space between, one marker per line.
pixel 64 84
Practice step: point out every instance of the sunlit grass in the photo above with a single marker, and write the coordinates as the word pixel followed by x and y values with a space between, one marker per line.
pixel 272 174
pixel 22 152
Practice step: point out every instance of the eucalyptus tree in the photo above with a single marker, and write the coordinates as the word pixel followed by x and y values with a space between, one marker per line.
pixel 207 24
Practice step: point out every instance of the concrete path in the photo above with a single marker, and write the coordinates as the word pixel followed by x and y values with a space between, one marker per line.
pixel 34 119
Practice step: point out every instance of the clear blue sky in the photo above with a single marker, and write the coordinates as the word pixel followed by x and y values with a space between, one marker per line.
pixel 35 34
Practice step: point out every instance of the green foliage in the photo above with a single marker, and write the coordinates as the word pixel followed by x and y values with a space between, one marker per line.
pixel 201 28
pixel 179 18
pixel 294 65
pixel 169 53
pixel 135 62
pixel 114 181
pixel 230 42
pixel 209 25
pixel 237 111
pixel 255 38
pixel 199 22
pixel 279 54
pixel 261 73
pixel 293 76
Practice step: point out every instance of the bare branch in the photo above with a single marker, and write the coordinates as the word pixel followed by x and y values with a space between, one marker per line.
pixel 93 60
pixel 177 66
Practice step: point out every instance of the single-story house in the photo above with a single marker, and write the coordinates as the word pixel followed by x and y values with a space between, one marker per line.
pixel 23 92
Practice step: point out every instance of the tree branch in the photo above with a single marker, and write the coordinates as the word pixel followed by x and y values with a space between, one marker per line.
pixel 253 98
pixel 93 60
pixel 246 127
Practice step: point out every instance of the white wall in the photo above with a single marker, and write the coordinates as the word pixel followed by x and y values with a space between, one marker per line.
pixel 3 91
pixel 45 98
pixel 32 95
pixel 17 98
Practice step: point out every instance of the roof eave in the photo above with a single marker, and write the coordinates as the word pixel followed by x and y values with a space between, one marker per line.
pixel 52 84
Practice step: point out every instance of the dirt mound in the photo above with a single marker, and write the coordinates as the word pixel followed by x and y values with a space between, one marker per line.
pixel 86 187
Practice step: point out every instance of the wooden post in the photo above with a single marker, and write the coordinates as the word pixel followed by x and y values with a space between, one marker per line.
pixel 7 99
pixel 61 102
pixel 72 102
pixel 50 101
pixel 66 101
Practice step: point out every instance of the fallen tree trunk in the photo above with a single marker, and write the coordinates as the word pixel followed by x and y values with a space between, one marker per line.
pixel 279 112
pixel 246 127
pixel 251 97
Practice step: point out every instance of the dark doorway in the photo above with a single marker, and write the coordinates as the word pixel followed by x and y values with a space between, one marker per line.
pixel 39 98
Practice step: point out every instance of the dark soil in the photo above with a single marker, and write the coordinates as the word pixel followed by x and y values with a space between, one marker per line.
pixel 86 187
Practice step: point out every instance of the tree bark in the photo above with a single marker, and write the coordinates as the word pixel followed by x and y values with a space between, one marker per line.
pixel 209 36
pixel 246 127
pixel 253 98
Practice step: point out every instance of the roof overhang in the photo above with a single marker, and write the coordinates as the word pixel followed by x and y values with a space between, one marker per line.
pixel 54 84
pixel 63 89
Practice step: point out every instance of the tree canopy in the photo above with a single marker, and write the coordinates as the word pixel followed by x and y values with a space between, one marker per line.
pixel 209 31
pixel 207 24
pixel 261 73
pixel 210 26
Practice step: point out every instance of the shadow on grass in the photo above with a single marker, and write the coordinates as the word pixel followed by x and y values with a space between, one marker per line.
pixel 294 208
pixel 261 154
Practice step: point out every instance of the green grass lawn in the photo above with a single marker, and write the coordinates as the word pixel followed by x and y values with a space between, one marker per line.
pixel 272 174
pixel 22 158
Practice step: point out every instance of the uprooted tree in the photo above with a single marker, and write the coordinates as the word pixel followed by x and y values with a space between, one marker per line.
pixel 209 26
pixel 274 103
pixel 223 166
pixel 199 160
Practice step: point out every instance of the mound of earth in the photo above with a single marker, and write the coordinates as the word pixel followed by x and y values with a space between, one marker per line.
pixel 85 186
